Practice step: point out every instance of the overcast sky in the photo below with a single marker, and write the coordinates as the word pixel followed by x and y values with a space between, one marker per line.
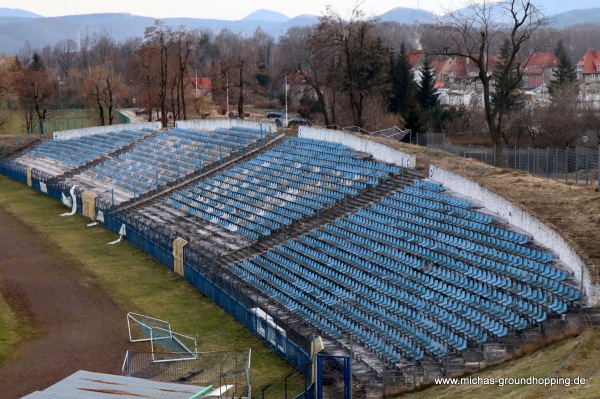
pixel 217 9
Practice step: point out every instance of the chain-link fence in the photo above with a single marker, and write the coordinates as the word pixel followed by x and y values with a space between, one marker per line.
pixel 11 144
pixel 577 165
pixel 205 368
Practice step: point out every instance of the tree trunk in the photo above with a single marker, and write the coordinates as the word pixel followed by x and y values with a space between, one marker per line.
pixel 100 111
pixel 41 118
pixel 182 89
pixel 351 86
pixel 241 94
pixel 321 98
pixel 111 105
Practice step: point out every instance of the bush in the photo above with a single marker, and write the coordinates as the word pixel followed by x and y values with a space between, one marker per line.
pixel 304 111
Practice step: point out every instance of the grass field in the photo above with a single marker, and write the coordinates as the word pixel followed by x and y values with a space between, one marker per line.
pixel 156 291
pixel 570 358
pixel 56 120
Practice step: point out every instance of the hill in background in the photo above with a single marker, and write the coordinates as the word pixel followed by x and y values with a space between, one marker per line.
pixel 576 17
pixel 18 27
pixel 266 15
pixel 17 13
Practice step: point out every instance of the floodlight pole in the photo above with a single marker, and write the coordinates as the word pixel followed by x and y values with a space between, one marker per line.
pixel 286 100
pixel 227 91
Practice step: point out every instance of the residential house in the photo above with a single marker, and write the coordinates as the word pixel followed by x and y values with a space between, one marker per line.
pixel 202 86
pixel 438 63
pixel 588 68
pixel 539 70
pixel 461 82
pixel 416 59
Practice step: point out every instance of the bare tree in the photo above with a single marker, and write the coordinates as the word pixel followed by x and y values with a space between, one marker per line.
pixel 146 76
pixel 359 57
pixel 159 40
pixel 307 56
pixel 64 53
pixel 101 90
pixel 34 90
pixel 4 92
pixel 103 47
pixel 565 119
pixel 85 61
pixel 184 44
pixel 476 33
pixel 236 69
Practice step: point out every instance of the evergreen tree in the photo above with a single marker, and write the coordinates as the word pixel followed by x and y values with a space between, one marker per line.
pixel 413 114
pixel 564 72
pixel 565 78
pixel 390 96
pixel 401 82
pixel 426 92
pixel 262 75
pixel 507 84
pixel 36 63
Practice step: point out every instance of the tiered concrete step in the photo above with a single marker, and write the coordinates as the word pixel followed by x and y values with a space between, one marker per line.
pixel 303 226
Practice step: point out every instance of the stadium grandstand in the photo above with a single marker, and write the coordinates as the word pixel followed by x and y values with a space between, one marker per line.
pixel 327 234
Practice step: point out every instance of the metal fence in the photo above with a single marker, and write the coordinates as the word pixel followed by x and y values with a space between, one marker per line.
pixel 10 144
pixel 577 165
pixel 218 284
pixel 205 368
pixel 200 269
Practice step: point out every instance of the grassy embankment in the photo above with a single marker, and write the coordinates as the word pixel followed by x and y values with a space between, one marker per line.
pixel 138 283
pixel 567 359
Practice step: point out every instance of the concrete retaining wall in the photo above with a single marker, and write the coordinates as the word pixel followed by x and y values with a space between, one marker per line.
pixel 516 216
pixel 381 152
pixel 210 125
pixel 74 133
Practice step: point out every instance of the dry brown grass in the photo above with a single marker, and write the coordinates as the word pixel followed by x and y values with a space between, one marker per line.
pixel 572 210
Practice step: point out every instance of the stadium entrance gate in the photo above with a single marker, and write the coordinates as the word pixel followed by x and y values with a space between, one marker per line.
pixel 333 377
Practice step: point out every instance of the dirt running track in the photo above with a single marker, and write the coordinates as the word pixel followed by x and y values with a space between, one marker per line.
pixel 78 326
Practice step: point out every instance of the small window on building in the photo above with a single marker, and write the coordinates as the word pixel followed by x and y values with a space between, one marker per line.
pixel 593 76
pixel 597 69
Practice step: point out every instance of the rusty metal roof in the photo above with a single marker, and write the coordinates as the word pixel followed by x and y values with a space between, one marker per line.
pixel 89 385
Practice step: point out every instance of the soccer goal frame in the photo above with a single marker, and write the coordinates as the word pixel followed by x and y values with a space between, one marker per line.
pixel 166 345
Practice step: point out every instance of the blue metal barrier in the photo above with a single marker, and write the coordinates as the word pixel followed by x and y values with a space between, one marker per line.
pixel 199 269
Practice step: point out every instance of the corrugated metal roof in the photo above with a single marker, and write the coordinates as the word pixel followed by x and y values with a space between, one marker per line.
pixel 88 385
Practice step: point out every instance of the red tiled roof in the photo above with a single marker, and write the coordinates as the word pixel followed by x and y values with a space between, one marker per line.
pixel 202 83
pixel 541 60
pixel 589 62
pixel 415 57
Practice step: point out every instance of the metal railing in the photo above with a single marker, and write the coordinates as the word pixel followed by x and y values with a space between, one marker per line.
pixel 577 165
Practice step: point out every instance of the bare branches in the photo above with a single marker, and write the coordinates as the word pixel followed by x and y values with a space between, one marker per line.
pixel 481 30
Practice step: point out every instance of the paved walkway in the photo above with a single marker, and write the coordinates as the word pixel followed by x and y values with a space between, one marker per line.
pixel 130 113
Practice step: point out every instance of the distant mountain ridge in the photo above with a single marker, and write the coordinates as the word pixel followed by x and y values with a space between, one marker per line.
pixel 407 15
pixel 18 27
pixel 266 15
pixel 575 17
pixel 554 7
pixel 17 13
